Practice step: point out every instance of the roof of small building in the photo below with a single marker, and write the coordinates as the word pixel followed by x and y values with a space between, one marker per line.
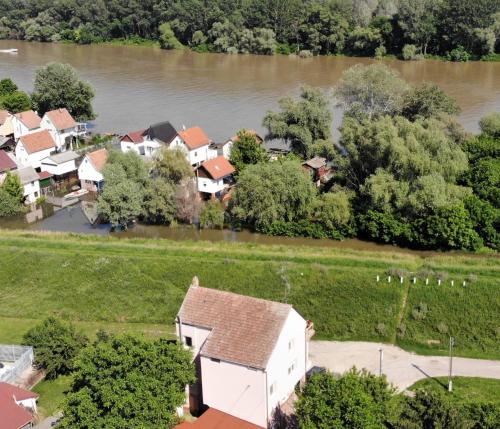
pixel 218 167
pixel 162 131
pixel 27 175
pixel 6 162
pixel 61 119
pixel 215 419
pixel 134 136
pixel 61 158
pixel 98 158
pixel 44 175
pixel 3 116
pixel 244 329
pixel 194 138
pixel 29 118
pixel 14 416
pixel 316 162
pixel 38 141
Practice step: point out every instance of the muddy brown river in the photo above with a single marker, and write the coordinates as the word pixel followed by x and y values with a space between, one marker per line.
pixel 136 86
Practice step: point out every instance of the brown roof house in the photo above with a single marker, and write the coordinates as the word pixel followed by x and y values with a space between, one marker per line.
pixel 90 170
pixel 17 407
pixel 197 144
pixel 25 122
pixel 214 176
pixel 32 148
pixel 63 128
pixel 319 169
pixel 250 353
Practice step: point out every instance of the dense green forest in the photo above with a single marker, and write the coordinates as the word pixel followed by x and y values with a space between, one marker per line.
pixel 458 29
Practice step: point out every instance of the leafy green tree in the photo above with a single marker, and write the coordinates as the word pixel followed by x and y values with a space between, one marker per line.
pixel 484 178
pixel 371 91
pixel 16 102
pixel 167 37
pixel 486 220
pixel 333 210
pixel 301 123
pixel 132 165
pixel 12 185
pixel 384 227
pixel 172 165
pixel 490 125
pixel 125 381
pixel 56 346
pixel 363 41
pixel 246 150
pixel 272 192
pixel 212 215
pixel 7 86
pixel 357 400
pixel 428 101
pixel 58 85
pixel 9 206
pixel 159 202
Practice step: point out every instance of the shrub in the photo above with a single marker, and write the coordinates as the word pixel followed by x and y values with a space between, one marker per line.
pixel 305 54
pixel 380 52
pixel 459 54
pixel 410 52
pixel 381 329
pixel 167 37
pixel 401 331
pixel 212 215
pixel 442 328
pixel 490 125
pixel 419 312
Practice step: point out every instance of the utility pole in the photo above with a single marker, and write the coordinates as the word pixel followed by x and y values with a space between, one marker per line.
pixel 450 382
pixel 381 358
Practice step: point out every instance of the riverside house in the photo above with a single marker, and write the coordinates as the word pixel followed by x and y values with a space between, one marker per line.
pixel 31 184
pixel 90 170
pixel 249 353
pixel 63 128
pixel 25 123
pixel 32 148
pixel 17 407
pixel 214 177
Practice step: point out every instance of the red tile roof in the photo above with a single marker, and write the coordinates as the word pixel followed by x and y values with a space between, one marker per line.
pixel 61 119
pixel 29 118
pixel 194 138
pixel 14 416
pixel 244 329
pixel 38 141
pixel 215 419
pixel 3 116
pixel 98 158
pixel 44 175
pixel 217 168
pixel 134 136
pixel 6 162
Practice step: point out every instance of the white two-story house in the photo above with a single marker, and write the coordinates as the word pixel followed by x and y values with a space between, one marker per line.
pixel 214 176
pixel 63 128
pixel 32 148
pixel 31 183
pixel 90 170
pixel 196 144
pixel 25 123
pixel 250 353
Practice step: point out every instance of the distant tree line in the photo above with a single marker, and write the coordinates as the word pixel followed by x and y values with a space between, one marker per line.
pixel 458 29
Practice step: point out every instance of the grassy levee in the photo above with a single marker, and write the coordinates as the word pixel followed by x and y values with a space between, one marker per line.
pixel 137 285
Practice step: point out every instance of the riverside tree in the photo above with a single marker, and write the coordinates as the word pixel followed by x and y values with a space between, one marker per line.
pixel 246 150
pixel 125 381
pixel 58 85
pixel 11 195
pixel 11 99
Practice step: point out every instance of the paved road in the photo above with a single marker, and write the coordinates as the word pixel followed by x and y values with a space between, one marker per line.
pixel 48 423
pixel 401 368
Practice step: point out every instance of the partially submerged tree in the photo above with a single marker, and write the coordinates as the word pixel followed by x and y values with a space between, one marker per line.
pixel 172 165
pixel 212 215
pixel 187 201
pixel 246 150
pixel 426 101
pixel 159 202
pixel 167 37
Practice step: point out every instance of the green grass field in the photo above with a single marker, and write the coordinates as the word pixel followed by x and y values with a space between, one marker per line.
pixel 138 285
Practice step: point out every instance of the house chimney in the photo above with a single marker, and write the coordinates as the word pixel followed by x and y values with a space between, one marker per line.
pixel 195 282
pixel 183 127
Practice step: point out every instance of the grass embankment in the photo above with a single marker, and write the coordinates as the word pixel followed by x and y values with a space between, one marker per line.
pixel 52 394
pixel 465 389
pixel 138 286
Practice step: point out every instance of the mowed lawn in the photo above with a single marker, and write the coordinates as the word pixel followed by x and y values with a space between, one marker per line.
pixel 138 285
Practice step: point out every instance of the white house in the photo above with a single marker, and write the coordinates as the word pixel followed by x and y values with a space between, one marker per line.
pixel 62 165
pixel 147 142
pixel 250 353
pixel 63 128
pixel 214 176
pixel 90 170
pixel 32 148
pixel 31 183
pixel 25 123
pixel 17 407
pixel 196 144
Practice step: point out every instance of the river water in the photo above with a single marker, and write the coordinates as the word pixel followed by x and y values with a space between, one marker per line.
pixel 137 86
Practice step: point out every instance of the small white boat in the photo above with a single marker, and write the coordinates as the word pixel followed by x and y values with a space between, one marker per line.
pixel 76 194
pixel 9 51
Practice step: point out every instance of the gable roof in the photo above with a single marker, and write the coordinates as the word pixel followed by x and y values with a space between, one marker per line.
pixel 6 162
pixel 134 136
pixel 316 162
pixel 29 118
pixel 14 416
pixel 37 141
pixel 194 138
pixel 98 158
pixel 162 131
pixel 61 119
pixel 27 175
pixel 215 419
pixel 218 167
pixel 244 329
pixel 3 116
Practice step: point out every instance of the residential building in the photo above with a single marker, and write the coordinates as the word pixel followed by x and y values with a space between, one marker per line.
pixel 146 142
pixel 196 143
pixel 220 149
pixel 249 353
pixel 319 170
pixel 25 123
pixel 32 148
pixel 215 176
pixel 31 185
pixel 61 166
pixel 215 419
pixel 63 128
pixel 17 407
pixel 90 170
pixel 6 128
pixel 6 164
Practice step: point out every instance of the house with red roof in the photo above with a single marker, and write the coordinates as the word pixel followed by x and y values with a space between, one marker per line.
pixel 63 128
pixel 7 164
pixel 32 148
pixel 90 170
pixel 25 123
pixel 215 176
pixel 17 407
pixel 196 143
pixel 250 354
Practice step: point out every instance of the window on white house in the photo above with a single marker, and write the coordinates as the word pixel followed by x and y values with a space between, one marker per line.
pixel 196 154
pixel 291 368
pixel 188 341
pixel 273 388
pixel 291 344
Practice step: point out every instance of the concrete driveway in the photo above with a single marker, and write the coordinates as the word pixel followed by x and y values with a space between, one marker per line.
pixel 401 368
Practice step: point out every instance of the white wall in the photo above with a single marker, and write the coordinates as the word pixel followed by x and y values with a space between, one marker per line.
pixel 31 191
pixel 31 159
pixel 235 390
pixel 28 403
pixel 198 336
pixel 58 136
pixel 19 128
pixel 86 171
pixel 210 186
pixel 284 357
pixel 59 170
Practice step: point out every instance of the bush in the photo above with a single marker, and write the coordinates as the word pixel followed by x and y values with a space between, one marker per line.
pixel 380 52
pixel 167 37
pixel 56 345
pixel 212 215
pixel 419 312
pixel 459 54
pixel 490 125
pixel 383 227
pixel 410 52
pixel 9 206
pixel 305 54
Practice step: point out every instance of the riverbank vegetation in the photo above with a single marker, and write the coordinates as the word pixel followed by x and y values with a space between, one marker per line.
pixel 138 285
pixel 457 30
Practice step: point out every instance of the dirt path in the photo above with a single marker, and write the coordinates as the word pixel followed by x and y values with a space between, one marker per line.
pixel 401 368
